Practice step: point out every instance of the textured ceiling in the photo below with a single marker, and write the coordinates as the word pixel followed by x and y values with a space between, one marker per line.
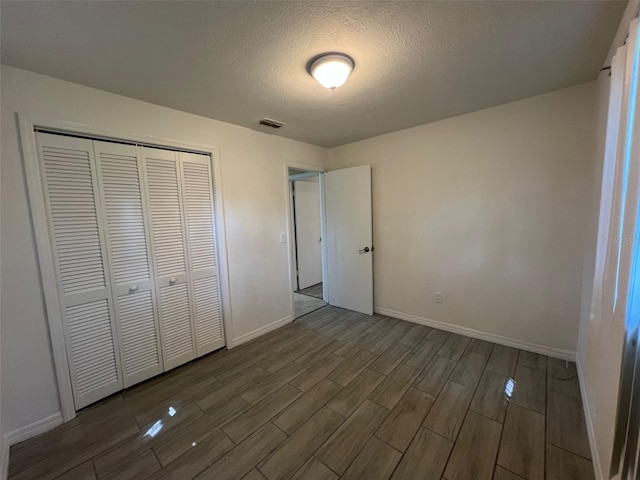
pixel 416 62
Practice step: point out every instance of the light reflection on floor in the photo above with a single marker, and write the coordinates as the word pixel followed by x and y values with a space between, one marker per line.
pixel 157 426
pixel 509 388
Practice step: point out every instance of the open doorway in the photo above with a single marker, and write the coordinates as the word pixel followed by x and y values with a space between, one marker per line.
pixel 306 220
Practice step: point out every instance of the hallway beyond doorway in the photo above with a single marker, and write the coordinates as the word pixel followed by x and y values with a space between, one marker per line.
pixel 303 304
pixel 313 290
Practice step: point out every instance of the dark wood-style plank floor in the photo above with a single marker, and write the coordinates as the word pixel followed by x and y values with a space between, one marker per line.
pixel 335 395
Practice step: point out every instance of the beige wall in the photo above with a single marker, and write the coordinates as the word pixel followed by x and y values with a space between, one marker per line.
pixel 253 178
pixel 490 208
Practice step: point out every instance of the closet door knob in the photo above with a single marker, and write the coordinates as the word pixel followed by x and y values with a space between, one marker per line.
pixel 172 281
pixel 134 288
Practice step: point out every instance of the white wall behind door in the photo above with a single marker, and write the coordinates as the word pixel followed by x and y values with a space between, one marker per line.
pixel 308 234
pixel 492 208
pixel 256 213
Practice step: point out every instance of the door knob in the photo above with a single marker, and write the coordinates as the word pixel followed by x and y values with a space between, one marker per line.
pixel 364 250
pixel 172 281
pixel 133 288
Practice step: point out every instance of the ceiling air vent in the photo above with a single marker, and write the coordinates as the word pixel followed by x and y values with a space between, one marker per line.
pixel 271 123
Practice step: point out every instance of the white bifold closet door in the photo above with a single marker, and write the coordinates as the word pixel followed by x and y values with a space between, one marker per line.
pixel 75 222
pixel 133 236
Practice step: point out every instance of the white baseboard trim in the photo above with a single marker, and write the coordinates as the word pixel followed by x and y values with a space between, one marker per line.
pixel 470 332
pixel 591 432
pixel 262 330
pixel 4 459
pixel 33 429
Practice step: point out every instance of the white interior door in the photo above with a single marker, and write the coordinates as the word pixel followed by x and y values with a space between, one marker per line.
pixel 308 232
pixel 349 238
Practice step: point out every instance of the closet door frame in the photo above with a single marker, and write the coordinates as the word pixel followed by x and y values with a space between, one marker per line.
pixel 28 124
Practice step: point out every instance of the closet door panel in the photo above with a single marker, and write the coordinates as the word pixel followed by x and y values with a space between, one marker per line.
pixel 140 339
pixel 166 215
pixel 176 323
pixel 209 329
pixel 201 240
pixel 170 255
pixel 198 193
pixel 128 246
pixel 95 374
pixel 75 223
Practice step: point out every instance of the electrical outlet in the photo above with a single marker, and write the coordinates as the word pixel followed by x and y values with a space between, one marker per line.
pixel 439 297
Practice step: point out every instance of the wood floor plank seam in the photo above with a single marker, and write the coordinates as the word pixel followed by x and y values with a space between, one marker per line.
pixel 314 409
pixel 319 460
pixel 568 451
pixel 410 442
pixel 496 466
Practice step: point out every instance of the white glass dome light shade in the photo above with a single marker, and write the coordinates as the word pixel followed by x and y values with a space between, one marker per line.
pixel 331 70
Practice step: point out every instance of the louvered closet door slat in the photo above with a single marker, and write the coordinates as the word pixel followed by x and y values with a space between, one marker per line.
pixel 140 342
pixel 201 241
pixel 75 221
pixel 199 211
pixel 164 193
pixel 162 178
pixel 92 346
pixel 122 194
pixel 85 250
pixel 176 322
pixel 208 315
pixel 129 260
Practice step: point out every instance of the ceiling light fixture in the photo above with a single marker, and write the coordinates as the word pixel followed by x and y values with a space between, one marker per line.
pixel 331 70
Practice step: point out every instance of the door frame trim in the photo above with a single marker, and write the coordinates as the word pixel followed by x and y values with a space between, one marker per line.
pixel 289 226
pixel 27 124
